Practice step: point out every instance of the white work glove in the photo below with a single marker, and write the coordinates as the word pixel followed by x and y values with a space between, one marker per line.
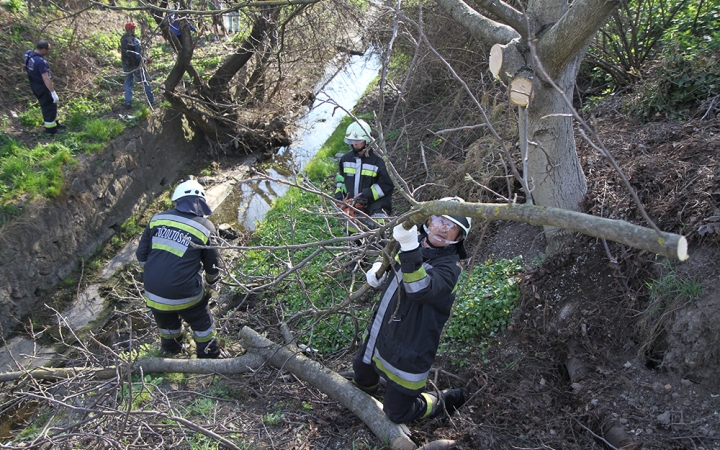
pixel 371 275
pixel 408 239
pixel 54 96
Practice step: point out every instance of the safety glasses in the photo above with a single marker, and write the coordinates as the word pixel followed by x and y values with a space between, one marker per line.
pixel 438 228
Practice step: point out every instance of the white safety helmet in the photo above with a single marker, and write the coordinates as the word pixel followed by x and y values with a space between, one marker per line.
pixel 358 131
pixel 463 222
pixel 186 188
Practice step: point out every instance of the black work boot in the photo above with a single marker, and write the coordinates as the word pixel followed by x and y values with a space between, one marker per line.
pixel 210 350
pixel 450 400
pixel 350 375
pixel 170 347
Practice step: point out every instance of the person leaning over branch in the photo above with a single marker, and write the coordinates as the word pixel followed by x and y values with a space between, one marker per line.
pixel 38 71
pixel 174 25
pixel 174 288
pixel 131 58
pixel 404 332
pixel 363 180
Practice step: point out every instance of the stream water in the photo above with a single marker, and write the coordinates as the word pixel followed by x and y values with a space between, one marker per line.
pixel 338 91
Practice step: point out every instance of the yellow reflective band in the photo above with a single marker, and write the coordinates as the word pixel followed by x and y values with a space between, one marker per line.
pixel 414 276
pixel 412 385
pixel 169 249
pixel 207 338
pixel 429 403
pixel 174 306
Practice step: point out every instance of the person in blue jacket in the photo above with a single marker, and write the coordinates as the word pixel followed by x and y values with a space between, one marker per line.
pixel 40 79
pixel 404 332
pixel 174 288
pixel 174 24
pixel 132 59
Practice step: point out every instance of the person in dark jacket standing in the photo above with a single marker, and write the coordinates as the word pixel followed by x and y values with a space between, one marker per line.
pixel 38 72
pixel 174 288
pixel 131 59
pixel 363 178
pixel 404 333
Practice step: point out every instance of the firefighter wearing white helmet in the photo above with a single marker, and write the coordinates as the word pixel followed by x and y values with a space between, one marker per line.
pixel 174 288
pixel 362 174
pixel 415 305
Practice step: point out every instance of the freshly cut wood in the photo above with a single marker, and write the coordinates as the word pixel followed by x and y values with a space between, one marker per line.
pixel 496 60
pixel 521 91
pixel 312 372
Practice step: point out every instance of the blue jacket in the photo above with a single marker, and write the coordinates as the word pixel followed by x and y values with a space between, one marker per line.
pixel 130 51
pixel 35 65
pixel 175 25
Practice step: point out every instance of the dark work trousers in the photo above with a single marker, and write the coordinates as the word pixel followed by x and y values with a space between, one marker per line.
pixel 48 108
pixel 398 406
pixel 199 319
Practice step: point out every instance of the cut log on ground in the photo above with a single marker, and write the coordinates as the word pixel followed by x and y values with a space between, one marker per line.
pixel 312 372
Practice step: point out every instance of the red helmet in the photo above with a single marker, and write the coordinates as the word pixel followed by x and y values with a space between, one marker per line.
pixel 129 26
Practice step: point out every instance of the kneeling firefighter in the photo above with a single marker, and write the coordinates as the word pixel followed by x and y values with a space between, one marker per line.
pixel 404 333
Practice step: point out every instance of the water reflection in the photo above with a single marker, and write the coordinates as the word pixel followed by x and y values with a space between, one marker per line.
pixel 339 90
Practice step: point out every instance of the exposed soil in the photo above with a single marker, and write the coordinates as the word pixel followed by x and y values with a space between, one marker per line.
pixel 591 356
pixel 591 359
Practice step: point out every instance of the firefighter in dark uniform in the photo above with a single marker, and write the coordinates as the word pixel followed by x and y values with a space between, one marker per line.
pixel 363 178
pixel 38 72
pixel 404 333
pixel 174 288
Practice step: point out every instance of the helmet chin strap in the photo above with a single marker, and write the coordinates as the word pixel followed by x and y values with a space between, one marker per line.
pixel 363 152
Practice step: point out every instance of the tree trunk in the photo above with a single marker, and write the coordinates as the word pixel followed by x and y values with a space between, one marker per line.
pixel 560 36
pixel 219 83
pixel 556 177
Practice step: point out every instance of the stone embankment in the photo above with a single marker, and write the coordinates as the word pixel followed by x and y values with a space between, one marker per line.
pixel 47 242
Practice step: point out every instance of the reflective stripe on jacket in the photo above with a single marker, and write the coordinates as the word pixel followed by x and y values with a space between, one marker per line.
pixel 367 176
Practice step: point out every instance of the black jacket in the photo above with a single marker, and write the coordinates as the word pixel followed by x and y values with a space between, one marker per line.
pixel 402 340
pixel 172 266
pixel 129 51
pixel 367 176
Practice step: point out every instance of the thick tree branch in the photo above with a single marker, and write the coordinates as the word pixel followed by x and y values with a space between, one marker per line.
pixel 234 63
pixel 666 244
pixel 481 27
pixel 573 33
pixel 312 372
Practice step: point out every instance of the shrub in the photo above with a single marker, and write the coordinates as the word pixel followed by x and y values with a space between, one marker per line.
pixel 488 295
pixel 679 82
